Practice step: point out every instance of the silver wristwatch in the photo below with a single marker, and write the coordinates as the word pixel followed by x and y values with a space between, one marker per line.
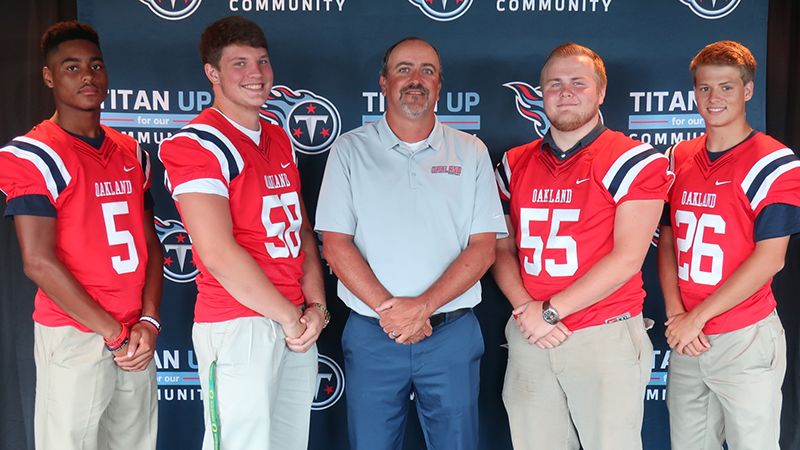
pixel 549 314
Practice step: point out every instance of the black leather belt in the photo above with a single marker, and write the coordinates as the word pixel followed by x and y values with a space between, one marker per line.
pixel 443 318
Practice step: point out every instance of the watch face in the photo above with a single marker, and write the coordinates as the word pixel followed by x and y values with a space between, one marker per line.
pixel 550 316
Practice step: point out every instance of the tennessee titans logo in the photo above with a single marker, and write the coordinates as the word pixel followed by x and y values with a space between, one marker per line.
pixel 530 105
pixel 446 13
pixel 310 120
pixel 172 9
pixel 330 384
pixel 178 264
pixel 711 9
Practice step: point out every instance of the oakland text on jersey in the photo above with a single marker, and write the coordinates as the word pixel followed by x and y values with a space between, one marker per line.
pixel 276 181
pixel 117 187
pixel 698 199
pixel 552 196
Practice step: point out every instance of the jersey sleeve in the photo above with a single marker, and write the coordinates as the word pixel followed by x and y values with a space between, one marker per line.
pixel 487 215
pixel 774 178
pixel 502 174
pixel 200 159
pixel 335 209
pixel 641 173
pixel 777 220
pixel 33 176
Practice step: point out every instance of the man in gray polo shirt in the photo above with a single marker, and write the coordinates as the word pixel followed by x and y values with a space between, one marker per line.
pixel 409 214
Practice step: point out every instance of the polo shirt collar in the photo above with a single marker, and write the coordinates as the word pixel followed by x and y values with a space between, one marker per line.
pixel 580 145
pixel 389 140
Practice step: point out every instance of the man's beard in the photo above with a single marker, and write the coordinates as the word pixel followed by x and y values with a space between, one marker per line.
pixel 567 122
pixel 415 110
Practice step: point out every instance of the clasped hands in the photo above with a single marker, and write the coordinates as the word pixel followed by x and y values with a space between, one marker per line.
pixel 535 330
pixel 685 334
pixel 406 320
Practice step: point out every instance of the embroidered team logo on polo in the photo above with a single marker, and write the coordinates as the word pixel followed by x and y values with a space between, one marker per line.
pixel 330 384
pixel 311 121
pixel 178 262
pixel 711 9
pixel 172 9
pixel 450 170
pixel 530 105
pixel 442 10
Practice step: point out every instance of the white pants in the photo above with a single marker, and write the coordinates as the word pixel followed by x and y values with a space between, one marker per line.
pixel 263 390
pixel 84 401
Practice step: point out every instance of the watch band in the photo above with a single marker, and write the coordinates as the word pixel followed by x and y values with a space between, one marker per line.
pixel 325 312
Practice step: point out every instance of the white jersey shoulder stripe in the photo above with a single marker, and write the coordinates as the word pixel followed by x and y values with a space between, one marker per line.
pixel 621 160
pixel 763 190
pixel 45 159
pixel 211 139
pixel 761 164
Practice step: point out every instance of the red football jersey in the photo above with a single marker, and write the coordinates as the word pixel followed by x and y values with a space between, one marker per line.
pixel 97 197
pixel 713 210
pixel 563 214
pixel 211 155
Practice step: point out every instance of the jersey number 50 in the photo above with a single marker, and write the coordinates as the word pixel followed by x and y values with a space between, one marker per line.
pixel 695 232
pixel 554 241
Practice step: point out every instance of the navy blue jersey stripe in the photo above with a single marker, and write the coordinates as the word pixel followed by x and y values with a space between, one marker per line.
pixel 233 169
pixel 30 205
pixel 617 181
pixel 765 172
pixel 61 184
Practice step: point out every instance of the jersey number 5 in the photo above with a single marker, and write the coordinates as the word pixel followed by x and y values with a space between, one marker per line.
pixel 695 232
pixel 554 241
pixel 289 237
pixel 120 237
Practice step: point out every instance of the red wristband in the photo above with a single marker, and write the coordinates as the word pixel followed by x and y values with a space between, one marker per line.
pixel 120 340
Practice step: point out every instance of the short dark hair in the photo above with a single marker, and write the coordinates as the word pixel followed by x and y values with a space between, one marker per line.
pixel 67 31
pixel 573 49
pixel 228 31
pixel 385 64
pixel 726 53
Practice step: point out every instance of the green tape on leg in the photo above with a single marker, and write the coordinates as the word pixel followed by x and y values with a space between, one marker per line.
pixel 213 408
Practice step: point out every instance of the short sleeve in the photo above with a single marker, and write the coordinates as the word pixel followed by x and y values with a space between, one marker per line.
pixel 777 220
pixel 487 216
pixel 775 178
pixel 33 176
pixel 335 209
pixel 641 173
pixel 200 159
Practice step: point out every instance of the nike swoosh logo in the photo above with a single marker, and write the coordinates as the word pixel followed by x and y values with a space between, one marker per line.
pixel 283 166
pixel 720 183
pixel 128 169
pixel 581 180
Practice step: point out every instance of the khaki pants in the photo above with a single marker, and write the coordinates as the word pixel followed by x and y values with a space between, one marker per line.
pixel 588 392
pixel 263 390
pixel 731 392
pixel 84 401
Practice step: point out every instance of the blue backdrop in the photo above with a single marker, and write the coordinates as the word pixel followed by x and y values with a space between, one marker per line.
pixel 326 55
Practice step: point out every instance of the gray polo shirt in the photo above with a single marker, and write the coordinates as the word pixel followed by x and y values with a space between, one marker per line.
pixel 410 213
